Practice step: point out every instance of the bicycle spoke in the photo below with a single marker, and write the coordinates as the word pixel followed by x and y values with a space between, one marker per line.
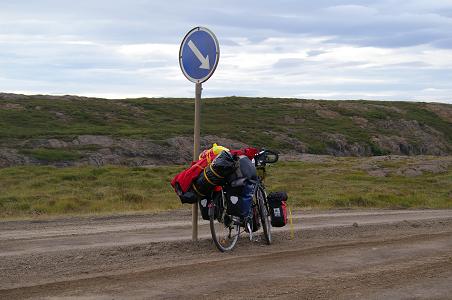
pixel 224 237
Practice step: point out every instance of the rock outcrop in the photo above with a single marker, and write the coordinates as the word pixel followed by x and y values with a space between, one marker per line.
pixel 100 150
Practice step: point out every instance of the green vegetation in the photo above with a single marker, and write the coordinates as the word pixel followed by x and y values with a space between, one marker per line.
pixel 51 155
pixel 31 191
pixel 341 183
pixel 270 122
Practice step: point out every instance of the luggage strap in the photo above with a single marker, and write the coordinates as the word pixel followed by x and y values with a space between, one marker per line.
pixel 207 178
pixel 196 190
pixel 216 174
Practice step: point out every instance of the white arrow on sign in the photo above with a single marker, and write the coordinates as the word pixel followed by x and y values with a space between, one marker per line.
pixel 204 60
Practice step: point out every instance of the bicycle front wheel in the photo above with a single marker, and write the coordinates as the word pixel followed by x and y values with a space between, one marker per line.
pixel 263 213
pixel 224 232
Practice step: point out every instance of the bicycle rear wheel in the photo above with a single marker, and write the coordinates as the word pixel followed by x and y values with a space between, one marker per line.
pixel 224 232
pixel 263 213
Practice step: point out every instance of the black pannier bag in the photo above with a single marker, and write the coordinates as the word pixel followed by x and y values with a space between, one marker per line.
pixel 214 174
pixel 239 201
pixel 204 206
pixel 240 188
pixel 278 208
pixel 234 200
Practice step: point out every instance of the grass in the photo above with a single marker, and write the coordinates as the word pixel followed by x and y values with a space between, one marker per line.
pixel 342 185
pixel 266 122
pixel 52 155
pixel 338 183
pixel 32 191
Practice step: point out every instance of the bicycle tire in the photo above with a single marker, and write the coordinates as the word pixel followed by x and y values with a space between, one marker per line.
pixel 263 213
pixel 223 240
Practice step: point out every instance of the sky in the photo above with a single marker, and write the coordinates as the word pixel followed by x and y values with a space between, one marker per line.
pixel 325 49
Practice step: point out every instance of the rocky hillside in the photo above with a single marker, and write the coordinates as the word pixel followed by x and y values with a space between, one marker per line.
pixel 71 130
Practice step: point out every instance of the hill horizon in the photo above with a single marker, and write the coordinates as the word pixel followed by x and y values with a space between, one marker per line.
pixel 67 130
pixel 105 97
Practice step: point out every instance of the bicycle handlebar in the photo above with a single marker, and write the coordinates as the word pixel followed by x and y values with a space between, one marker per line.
pixel 265 157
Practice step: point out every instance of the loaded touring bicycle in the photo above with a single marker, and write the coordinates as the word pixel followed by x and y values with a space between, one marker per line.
pixel 225 225
pixel 229 186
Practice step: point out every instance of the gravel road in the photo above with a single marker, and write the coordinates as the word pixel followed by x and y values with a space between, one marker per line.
pixel 376 254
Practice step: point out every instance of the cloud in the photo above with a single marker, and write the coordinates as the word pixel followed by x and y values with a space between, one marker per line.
pixel 290 48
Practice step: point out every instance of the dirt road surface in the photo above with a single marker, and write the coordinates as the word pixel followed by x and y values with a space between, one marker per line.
pixel 373 254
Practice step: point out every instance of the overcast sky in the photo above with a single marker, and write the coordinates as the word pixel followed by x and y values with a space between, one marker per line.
pixel 325 49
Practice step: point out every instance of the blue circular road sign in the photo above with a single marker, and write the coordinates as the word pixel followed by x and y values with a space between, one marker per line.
pixel 199 54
